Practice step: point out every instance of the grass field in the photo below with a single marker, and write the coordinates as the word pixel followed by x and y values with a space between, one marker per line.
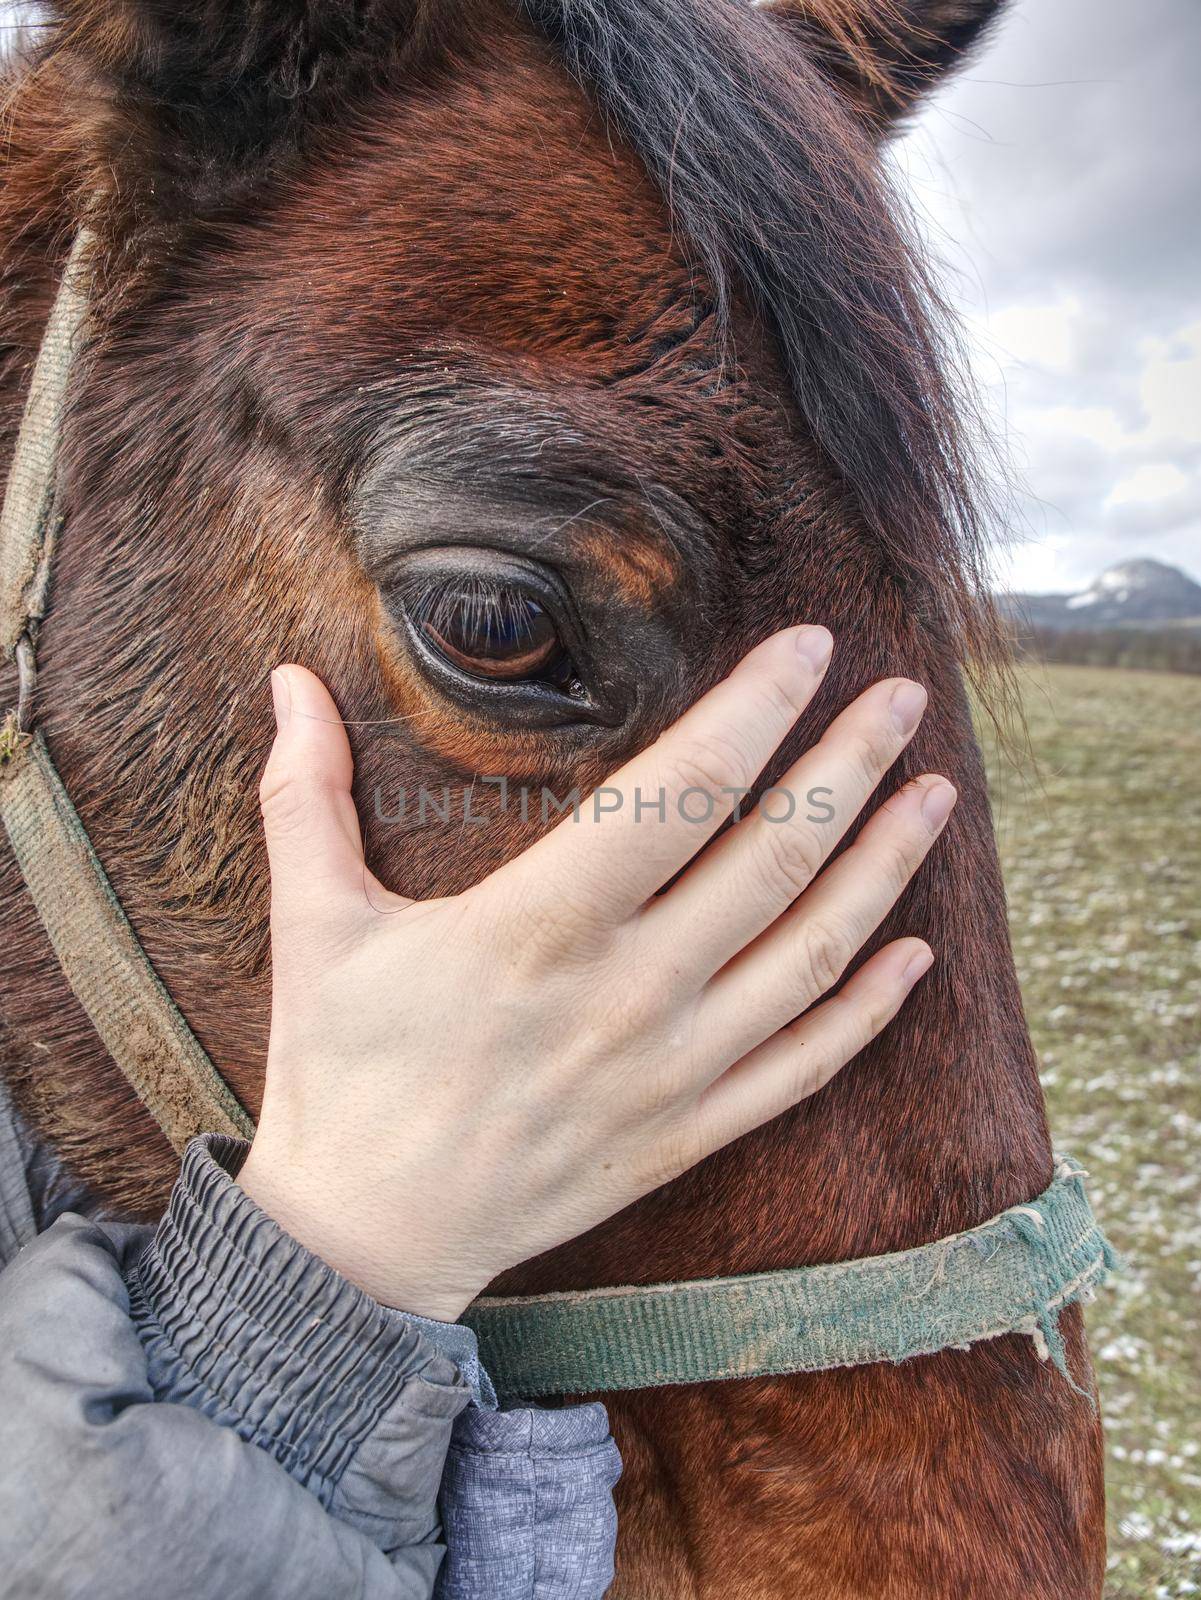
pixel 1100 831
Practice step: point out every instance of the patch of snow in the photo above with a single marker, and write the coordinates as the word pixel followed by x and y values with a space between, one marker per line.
pixel 1119 577
pixel 1133 575
pixel 1088 598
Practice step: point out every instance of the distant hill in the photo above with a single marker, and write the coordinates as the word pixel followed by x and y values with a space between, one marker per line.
pixel 1134 594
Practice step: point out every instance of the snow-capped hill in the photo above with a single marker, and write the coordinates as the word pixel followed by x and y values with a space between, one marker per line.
pixel 1140 593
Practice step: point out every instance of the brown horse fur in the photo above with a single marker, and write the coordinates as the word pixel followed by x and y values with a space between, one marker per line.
pixel 398 273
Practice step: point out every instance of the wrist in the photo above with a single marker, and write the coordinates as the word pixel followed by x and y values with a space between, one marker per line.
pixel 321 1218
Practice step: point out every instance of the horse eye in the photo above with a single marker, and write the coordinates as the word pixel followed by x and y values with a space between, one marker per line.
pixel 500 634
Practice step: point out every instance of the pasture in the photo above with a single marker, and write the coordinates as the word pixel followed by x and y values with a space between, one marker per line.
pixel 1100 829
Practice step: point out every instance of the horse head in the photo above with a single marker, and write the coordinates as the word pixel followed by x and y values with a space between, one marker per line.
pixel 517 369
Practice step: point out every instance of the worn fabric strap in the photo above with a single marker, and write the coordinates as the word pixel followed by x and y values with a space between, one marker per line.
pixel 1012 1274
pixel 107 969
pixel 27 521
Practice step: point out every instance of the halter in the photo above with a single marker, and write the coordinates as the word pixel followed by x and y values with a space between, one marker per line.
pixel 1014 1273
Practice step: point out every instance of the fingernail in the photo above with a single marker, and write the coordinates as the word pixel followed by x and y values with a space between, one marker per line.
pixel 281 699
pixel 907 704
pixel 937 803
pixel 917 964
pixel 814 646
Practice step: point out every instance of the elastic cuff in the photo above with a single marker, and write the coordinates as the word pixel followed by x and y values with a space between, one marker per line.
pixel 243 1323
pixel 531 1431
pixel 527 1504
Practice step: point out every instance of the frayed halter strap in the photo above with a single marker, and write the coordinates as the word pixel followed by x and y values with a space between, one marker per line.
pixel 102 960
pixel 1013 1274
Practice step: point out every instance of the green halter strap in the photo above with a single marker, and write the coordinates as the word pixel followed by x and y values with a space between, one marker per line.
pixel 1012 1274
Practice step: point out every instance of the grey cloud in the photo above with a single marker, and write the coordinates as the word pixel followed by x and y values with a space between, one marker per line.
pixel 1074 140
pixel 1064 169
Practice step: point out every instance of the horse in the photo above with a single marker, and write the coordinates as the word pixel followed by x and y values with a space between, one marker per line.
pixel 599 320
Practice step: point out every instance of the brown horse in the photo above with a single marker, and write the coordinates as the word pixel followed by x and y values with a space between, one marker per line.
pixel 596 315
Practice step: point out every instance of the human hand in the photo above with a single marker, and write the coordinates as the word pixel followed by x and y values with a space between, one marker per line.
pixel 456 1085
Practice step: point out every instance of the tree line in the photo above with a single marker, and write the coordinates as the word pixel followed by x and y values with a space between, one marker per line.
pixel 1152 649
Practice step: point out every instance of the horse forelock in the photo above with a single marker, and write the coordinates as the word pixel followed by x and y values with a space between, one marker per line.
pixel 779 187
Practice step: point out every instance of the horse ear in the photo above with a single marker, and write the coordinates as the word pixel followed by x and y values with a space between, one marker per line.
pixel 886 53
pixel 215 87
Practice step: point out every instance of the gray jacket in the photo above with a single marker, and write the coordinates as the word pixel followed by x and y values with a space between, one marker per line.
pixel 208 1410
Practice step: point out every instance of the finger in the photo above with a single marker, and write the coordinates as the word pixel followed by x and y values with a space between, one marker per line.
pixel 314 843
pixel 801 1058
pixel 804 954
pixel 652 815
pixel 748 878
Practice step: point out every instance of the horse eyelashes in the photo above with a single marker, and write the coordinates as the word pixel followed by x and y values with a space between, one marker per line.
pixel 485 605
pixel 490 629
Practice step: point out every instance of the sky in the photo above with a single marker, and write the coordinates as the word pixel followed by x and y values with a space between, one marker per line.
pixel 1059 181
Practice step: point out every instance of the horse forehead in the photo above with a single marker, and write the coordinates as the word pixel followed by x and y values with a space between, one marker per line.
pixel 498 202
pixel 497 216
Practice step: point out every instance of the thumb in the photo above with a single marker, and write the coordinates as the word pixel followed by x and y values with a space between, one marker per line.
pixel 314 843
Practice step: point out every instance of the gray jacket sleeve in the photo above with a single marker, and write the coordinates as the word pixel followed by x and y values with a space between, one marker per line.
pixel 209 1410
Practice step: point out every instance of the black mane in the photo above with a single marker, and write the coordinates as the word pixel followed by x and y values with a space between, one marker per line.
pixel 776 182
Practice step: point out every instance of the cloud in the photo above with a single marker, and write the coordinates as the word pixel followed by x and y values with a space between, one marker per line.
pixel 1058 179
